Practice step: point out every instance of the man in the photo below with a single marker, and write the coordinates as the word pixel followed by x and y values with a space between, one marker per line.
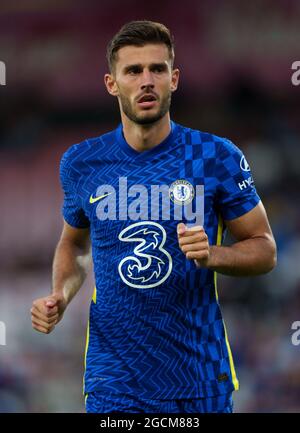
pixel 154 197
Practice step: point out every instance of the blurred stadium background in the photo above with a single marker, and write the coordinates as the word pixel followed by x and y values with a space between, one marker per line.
pixel 235 60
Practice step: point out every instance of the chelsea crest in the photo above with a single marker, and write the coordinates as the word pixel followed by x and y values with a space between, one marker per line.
pixel 181 192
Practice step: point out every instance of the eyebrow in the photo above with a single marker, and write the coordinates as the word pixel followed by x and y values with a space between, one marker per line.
pixel 139 65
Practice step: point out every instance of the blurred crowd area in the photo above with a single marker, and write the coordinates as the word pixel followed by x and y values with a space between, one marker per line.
pixel 235 60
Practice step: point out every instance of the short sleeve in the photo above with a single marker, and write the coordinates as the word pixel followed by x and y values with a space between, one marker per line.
pixel 236 193
pixel 72 210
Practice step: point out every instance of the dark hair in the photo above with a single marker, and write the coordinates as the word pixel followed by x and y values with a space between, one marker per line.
pixel 139 33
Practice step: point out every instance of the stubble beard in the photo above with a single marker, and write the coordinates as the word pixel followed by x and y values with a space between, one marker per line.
pixel 145 120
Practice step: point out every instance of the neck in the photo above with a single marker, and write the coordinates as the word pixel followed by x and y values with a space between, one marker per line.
pixel 145 137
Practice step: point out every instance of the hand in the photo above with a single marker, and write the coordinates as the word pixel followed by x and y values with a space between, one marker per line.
pixel 193 242
pixel 47 312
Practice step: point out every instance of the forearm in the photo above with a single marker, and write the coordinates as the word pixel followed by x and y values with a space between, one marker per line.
pixel 253 256
pixel 70 266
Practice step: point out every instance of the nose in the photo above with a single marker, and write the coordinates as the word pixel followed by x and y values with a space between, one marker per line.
pixel 147 80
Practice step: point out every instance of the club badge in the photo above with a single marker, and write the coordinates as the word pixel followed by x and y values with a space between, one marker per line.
pixel 181 192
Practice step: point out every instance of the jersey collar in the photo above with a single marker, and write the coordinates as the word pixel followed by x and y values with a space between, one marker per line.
pixel 159 148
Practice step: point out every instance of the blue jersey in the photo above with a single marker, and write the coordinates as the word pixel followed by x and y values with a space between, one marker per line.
pixel 155 326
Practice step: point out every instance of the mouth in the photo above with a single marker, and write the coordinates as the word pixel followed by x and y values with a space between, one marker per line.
pixel 148 100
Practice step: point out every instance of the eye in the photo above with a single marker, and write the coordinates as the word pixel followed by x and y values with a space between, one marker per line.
pixel 133 71
pixel 159 68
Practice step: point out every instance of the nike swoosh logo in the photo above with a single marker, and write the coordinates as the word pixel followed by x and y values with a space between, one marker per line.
pixel 94 199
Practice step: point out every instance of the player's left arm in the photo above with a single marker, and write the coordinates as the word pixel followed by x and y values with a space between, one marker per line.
pixel 253 253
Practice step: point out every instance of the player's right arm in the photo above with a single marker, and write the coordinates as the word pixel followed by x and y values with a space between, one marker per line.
pixel 72 260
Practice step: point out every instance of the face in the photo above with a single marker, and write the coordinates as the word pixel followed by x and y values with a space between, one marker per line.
pixel 143 81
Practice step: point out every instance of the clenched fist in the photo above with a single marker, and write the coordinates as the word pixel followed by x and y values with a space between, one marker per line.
pixel 193 242
pixel 47 312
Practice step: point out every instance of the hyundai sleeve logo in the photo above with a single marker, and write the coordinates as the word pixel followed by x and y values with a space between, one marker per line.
pixel 244 164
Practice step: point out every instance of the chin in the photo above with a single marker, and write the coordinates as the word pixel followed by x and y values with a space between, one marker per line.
pixel 147 120
pixel 149 117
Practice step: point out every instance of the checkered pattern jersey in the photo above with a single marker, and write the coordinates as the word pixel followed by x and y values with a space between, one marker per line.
pixel 155 326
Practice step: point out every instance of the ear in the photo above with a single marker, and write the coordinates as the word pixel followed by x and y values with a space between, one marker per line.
pixel 111 84
pixel 175 79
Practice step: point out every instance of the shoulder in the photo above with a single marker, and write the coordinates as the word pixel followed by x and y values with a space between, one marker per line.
pixel 78 152
pixel 214 146
pixel 73 152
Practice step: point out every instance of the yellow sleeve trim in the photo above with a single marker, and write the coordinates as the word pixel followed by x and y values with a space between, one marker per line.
pixel 232 368
pixel 94 298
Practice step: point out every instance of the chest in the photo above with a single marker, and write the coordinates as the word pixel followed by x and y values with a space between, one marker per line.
pixel 169 187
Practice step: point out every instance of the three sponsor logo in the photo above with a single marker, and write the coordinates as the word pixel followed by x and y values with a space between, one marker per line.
pixel 150 264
